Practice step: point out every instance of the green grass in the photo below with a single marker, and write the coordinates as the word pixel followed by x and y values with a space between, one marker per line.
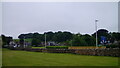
pixel 38 47
pixel 52 47
pixel 55 47
pixel 28 40
pixel 0 57
pixel 25 58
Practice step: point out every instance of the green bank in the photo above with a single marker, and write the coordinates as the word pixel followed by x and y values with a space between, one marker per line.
pixel 26 58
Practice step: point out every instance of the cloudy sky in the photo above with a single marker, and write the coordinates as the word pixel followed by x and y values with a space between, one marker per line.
pixel 25 17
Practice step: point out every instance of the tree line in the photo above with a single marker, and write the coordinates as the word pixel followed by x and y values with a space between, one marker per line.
pixel 68 38
pixel 6 40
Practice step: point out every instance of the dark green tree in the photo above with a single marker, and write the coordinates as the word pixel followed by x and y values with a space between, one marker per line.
pixel 62 36
pixel 78 41
pixel 116 36
pixel 49 36
pixel 6 40
pixel 89 40
pixel 101 32
pixel 21 43
pixel 35 42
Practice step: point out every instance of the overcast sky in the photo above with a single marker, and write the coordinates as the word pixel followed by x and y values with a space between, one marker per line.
pixel 23 17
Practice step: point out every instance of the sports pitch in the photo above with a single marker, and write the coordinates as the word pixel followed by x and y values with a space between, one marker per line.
pixel 26 58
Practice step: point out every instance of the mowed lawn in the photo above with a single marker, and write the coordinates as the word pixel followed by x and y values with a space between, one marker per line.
pixel 0 56
pixel 26 58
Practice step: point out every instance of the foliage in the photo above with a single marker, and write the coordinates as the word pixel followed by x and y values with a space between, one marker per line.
pixel 0 42
pixel 62 36
pixel 37 47
pixel 101 32
pixel 16 40
pixel 78 41
pixel 22 36
pixel 116 36
pixel 112 46
pixel 6 40
pixel 85 47
pixel 57 47
pixel 35 42
pixel 90 41
pixel 57 36
pixel 71 39
pixel 21 42
pixel 28 40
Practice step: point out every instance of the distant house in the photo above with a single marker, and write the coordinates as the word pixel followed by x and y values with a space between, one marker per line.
pixel 17 44
pixel 11 44
pixel 51 43
pixel 26 44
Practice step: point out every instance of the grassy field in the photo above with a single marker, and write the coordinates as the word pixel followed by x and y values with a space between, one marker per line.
pixel 38 47
pixel 25 58
pixel 73 47
pixel 0 57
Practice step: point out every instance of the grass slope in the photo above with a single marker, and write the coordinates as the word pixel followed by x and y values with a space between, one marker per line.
pixel 0 57
pixel 25 58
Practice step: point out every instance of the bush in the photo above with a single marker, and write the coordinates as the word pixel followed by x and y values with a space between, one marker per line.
pixel 77 41
pixel 57 47
pixel 112 46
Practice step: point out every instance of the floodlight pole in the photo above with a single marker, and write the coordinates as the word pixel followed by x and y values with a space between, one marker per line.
pixel 71 42
pixel 96 33
pixel 24 42
pixel 45 40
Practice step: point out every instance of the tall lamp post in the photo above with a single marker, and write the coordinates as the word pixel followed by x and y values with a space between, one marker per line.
pixel 96 32
pixel 24 42
pixel 45 39
pixel 71 42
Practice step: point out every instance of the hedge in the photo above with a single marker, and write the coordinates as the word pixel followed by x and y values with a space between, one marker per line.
pixel 112 46
pixel 57 47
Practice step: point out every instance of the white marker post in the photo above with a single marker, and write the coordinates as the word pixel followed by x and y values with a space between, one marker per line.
pixel 24 42
pixel 45 40
pixel 96 33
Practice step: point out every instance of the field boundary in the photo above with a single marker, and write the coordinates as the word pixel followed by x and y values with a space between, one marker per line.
pixel 115 52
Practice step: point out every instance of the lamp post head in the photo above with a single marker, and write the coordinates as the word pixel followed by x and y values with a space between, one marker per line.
pixel 96 20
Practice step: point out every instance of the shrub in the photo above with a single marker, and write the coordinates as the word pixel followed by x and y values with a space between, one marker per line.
pixel 57 47
pixel 112 46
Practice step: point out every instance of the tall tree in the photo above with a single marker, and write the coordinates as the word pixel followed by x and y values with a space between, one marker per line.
pixel 6 40
pixel 116 36
pixel 35 42
pixel 78 41
pixel 101 32
pixel 89 40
